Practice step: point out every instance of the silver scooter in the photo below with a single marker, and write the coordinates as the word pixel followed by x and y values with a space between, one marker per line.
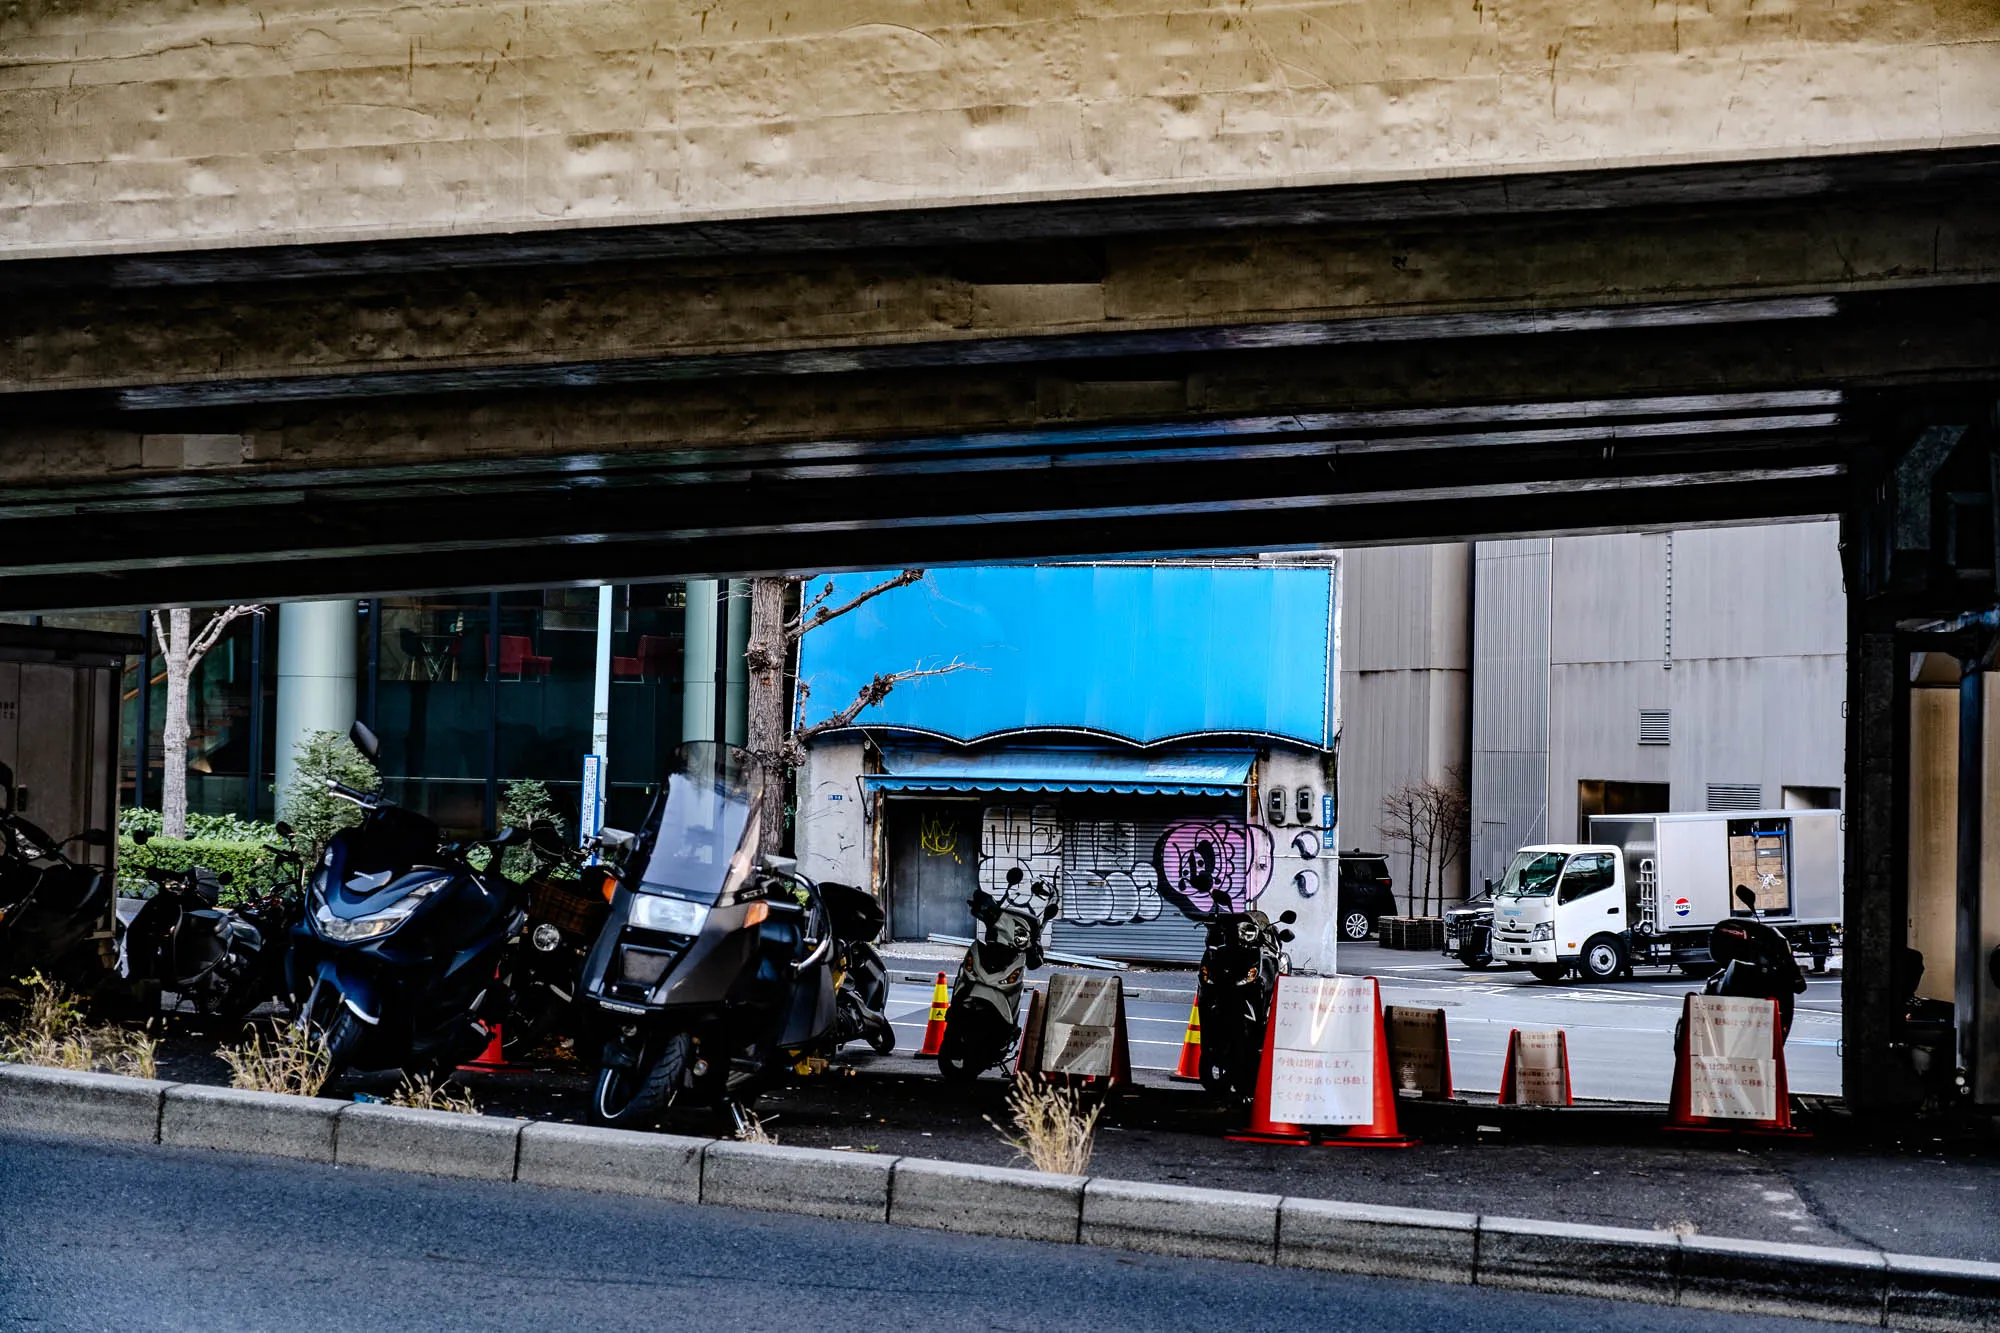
pixel 983 1022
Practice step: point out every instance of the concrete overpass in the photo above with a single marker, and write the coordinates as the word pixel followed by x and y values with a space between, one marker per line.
pixel 351 297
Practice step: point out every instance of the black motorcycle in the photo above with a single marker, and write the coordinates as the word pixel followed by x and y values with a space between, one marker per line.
pixel 1240 968
pixel 53 910
pixel 398 954
pixel 221 960
pixel 713 976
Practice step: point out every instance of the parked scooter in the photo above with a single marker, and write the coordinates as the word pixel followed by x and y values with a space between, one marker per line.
pixel 1753 961
pixel 400 945
pixel 860 978
pixel 1239 974
pixel 983 1023
pixel 50 906
pixel 713 976
pixel 222 960
pixel 542 971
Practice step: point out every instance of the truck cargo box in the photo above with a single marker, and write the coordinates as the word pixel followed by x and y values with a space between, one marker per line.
pixel 1681 870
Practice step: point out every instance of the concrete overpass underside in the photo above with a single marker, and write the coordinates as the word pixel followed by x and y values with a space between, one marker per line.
pixel 1586 350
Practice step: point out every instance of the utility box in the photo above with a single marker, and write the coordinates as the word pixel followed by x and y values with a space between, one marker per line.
pixel 60 708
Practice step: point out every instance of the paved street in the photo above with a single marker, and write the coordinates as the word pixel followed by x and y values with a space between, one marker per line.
pixel 1620 1036
pixel 101 1237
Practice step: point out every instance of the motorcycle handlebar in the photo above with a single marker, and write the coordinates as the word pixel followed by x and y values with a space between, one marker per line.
pixel 366 800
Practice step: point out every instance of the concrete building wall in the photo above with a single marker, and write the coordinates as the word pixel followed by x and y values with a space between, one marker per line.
pixel 1510 703
pixel 832 836
pixel 167 124
pixel 1740 633
pixel 1404 686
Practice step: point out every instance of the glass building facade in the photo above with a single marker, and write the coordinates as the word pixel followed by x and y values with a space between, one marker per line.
pixel 468 691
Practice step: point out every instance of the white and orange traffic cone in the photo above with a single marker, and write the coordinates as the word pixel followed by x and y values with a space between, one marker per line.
pixel 1189 1069
pixel 934 1030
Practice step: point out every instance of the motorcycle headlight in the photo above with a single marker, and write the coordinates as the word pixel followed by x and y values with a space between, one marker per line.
pixel 1544 930
pixel 1246 931
pixel 346 931
pixel 675 916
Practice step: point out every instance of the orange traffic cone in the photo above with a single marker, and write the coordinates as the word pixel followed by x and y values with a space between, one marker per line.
pixel 1739 1084
pixel 493 1059
pixel 1189 1069
pixel 1536 1071
pixel 1379 1132
pixel 934 1030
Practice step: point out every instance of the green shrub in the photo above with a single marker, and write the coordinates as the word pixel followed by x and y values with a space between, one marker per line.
pixel 528 805
pixel 226 828
pixel 252 868
pixel 307 806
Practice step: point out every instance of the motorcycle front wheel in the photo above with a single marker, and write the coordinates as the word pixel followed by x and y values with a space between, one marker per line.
pixel 955 1062
pixel 637 1096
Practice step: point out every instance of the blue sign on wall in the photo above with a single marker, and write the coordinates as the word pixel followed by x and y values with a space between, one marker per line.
pixel 1145 653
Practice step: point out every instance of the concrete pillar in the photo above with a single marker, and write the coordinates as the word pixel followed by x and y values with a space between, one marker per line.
pixel 316 653
pixel 698 663
pixel 698 655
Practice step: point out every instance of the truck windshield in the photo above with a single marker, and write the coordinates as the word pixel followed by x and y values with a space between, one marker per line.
pixel 1533 875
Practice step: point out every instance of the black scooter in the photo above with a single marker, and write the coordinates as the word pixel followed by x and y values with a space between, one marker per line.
pixel 53 910
pixel 1753 961
pixel 397 955
pixel 982 1025
pixel 713 976
pixel 223 961
pixel 1239 973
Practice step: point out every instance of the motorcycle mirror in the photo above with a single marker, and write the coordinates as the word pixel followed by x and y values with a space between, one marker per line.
pixel 507 837
pixel 788 866
pixel 1286 937
pixel 615 843
pixel 226 877
pixel 1288 916
pixel 142 837
pixel 285 830
pixel 1747 898
pixel 365 740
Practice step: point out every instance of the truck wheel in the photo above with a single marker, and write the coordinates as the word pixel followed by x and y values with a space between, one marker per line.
pixel 1603 958
pixel 1354 926
pixel 1549 971
pixel 1478 962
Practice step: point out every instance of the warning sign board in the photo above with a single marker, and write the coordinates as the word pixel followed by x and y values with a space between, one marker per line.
pixel 1419 1055
pixel 1079 1032
pixel 1323 1051
pixel 1536 1071
pixel 1732 1073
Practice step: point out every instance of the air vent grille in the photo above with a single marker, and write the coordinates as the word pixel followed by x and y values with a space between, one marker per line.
pixel 1735 796
pixel 1655 726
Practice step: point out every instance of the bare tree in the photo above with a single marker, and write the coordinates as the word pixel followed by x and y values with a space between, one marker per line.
pixel 1401 823
pixel 183 649
pixel 1450 819
pixel 774 738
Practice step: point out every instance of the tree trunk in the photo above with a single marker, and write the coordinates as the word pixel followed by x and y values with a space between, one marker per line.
pixel 174 729
pixel 769 728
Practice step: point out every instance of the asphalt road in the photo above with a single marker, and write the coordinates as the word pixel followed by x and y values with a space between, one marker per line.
pixel 1620 1035
pixel 109 1237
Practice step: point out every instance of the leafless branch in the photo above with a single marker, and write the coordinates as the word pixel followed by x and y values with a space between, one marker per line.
pixel 874 692
pixel 160 632
pixel 212 631
pixel 820 615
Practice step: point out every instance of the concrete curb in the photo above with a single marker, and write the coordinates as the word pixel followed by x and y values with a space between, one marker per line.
pixel 1859 1286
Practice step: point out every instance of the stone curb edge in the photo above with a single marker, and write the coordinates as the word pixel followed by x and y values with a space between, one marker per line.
pixel 1855 1286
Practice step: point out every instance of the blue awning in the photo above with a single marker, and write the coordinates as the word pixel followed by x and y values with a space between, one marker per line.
pixel 1197 774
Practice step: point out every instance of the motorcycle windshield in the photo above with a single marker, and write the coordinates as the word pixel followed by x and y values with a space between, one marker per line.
pixel 701 841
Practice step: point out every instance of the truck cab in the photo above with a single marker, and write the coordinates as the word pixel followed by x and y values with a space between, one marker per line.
pixel 1562 906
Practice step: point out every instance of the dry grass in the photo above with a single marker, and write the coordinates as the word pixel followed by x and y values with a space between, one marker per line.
pixel 293 1063
pixel 1055 1129
pixel 421 1094
pixel 750 1128
pixel 52 1031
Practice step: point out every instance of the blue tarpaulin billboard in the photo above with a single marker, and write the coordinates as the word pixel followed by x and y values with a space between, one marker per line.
pixel 1144 653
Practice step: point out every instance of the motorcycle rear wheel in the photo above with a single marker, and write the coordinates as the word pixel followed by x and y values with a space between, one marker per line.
pixel 636 1097
pixel 882 1040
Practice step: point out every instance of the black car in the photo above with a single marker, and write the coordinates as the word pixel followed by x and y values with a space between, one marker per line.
pixel 1468 930
pixel 1366 894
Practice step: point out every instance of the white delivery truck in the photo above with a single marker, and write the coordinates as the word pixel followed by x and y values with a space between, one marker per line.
pixel 1646 889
